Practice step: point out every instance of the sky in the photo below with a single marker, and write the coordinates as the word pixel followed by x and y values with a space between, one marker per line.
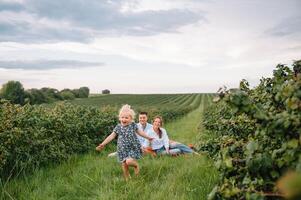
pixel 146 46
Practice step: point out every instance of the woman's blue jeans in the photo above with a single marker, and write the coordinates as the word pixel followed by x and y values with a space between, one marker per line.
pixel 162 151
pixel 183 148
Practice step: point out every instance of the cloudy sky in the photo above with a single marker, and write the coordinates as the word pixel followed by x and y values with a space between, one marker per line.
pixel 146 46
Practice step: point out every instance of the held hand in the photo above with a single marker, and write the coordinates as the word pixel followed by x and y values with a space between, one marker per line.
pixel 100 147
pixel 151 139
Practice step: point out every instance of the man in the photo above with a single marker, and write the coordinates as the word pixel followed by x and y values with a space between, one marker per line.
pixel 144 126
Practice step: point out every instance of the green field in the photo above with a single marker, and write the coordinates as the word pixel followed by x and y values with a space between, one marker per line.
pixel 169 106
pixel 95 176
pixel 143 100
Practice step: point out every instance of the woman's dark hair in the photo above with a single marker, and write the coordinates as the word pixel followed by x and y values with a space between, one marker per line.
pixel 161 124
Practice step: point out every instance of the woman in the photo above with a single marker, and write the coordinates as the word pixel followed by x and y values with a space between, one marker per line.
pixel 160 143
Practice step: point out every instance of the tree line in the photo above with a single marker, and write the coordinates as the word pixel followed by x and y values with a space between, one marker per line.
pixel 15 93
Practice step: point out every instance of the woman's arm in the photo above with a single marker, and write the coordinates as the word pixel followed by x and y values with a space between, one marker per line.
pixel 106 141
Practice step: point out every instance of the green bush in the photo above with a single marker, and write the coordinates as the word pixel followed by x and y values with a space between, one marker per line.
pixel 257 135
pixel 33 136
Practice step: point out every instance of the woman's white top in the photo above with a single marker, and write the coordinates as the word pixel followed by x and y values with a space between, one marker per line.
pixel 158 143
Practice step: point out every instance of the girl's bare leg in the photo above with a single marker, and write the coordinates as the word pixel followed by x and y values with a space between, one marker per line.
pixel 134 163
pixel 125 169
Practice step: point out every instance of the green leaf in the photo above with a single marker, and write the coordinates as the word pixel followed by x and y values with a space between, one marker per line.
pixel 228 163
pixel 274 174
pixel 251 147
pixel 246 180
pixel 293 143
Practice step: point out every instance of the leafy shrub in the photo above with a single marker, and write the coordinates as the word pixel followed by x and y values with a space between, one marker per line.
pixel 33 136
pixel 257 136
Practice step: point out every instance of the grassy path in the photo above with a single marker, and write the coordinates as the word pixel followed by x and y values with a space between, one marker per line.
pixel 95 176
pixel 186 129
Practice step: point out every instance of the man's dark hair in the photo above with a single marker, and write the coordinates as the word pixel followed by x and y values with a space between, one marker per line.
pixel 143 113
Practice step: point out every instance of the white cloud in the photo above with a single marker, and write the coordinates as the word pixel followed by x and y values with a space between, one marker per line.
pixel 232 42
pixel 13 1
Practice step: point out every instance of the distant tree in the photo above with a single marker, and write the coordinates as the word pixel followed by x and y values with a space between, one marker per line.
pixel 13 91
pixel 66 90
pixel 84 92
pixel 36 96
pixel 67 95
pixel 27 96
pixel 76 93
pixel 106 91
pixel 51 94
pixel 297 67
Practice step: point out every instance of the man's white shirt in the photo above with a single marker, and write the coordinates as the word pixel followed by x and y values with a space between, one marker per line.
pixel 146 129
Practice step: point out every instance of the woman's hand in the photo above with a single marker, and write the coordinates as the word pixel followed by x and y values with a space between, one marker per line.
pixel 167 151
pixel 99 147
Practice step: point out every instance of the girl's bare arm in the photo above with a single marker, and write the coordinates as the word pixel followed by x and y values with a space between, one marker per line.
pixel 143 134
pixel 106 141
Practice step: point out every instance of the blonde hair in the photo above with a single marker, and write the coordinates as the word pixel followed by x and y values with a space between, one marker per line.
pixel 126 109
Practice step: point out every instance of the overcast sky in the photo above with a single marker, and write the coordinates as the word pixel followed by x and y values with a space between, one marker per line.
pixel 146 46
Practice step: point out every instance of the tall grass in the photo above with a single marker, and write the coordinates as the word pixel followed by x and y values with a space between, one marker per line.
pixel 95 176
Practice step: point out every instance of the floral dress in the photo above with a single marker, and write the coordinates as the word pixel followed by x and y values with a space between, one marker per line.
pixel 128 145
